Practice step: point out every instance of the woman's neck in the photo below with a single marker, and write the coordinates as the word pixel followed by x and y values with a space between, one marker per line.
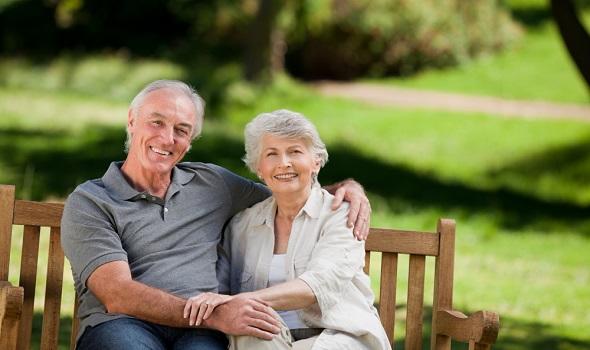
pixel 289 204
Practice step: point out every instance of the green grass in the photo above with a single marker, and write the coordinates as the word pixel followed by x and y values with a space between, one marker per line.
pixel 538 68
pixel 517 188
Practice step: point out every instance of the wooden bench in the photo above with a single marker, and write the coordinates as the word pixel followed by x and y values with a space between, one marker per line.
pixel 480 330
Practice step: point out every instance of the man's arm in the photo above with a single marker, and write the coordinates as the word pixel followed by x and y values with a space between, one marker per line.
pixel 113 285
pixel 359 215
pixel 245 193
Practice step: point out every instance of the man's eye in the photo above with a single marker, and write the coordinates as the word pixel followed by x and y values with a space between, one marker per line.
pixel 156 122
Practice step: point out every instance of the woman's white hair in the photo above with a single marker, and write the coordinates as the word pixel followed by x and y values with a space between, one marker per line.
pixel 282 123
pixel 176 85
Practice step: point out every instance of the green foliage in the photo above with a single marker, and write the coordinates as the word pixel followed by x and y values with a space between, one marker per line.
pixel 356 37
pixel 111 76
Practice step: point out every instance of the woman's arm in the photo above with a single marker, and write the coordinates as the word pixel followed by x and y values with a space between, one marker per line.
pixel 291 295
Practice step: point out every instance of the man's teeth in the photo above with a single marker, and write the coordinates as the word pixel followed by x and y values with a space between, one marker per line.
pixel 285 176
pixel 162 152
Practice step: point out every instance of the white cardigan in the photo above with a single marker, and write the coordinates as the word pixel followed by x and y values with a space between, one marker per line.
pixel 322 252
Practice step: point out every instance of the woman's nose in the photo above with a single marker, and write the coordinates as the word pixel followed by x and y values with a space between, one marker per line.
pixel 285 160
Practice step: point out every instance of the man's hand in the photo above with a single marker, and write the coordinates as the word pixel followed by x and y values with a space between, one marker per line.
pixel 359 215
pixel 244 315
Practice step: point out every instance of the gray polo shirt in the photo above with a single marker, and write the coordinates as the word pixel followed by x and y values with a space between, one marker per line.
pixel 169 244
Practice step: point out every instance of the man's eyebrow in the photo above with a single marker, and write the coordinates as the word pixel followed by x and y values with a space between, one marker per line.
pixel 186 125
pixel 160 115
pixel 157 114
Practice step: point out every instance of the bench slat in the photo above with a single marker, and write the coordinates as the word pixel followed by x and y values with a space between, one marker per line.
pixel 443 280
pixel 55 270
pixel 402 242
pixel 388 292
pixel 27 280
pixel 6 213
pixel 367 267
pixel 415 299
pixel 39 214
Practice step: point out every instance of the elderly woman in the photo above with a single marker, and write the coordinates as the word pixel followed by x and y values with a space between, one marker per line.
pixel 292 251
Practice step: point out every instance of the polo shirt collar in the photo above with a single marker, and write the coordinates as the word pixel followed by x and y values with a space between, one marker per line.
pixel 118 186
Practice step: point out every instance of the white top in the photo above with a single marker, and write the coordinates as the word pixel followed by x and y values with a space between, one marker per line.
pixel 323 253
pixel 278 275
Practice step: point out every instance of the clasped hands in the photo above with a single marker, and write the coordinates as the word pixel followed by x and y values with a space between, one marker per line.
pixel 241 314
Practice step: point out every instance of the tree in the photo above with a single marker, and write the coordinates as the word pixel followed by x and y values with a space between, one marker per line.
pixel 574 35
pixel 258 48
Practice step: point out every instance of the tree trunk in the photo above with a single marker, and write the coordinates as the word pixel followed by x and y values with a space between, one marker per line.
pixel 258 50
pixel 574 35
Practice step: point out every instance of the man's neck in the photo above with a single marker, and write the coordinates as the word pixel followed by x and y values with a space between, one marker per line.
pixel 146 181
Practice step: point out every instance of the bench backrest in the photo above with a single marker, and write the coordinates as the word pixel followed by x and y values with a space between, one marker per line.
pixel 389 243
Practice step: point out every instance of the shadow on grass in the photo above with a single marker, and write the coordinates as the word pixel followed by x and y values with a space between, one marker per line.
pixel 51 165
pixel 569 162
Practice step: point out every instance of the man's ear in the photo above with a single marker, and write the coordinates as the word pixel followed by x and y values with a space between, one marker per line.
pixel 130 119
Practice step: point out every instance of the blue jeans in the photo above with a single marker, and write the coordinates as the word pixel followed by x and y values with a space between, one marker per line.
pixel 133 334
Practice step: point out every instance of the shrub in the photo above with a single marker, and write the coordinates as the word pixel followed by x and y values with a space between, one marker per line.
pixel 349 38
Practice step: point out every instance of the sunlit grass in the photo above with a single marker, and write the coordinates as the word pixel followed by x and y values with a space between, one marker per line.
pixel 538 68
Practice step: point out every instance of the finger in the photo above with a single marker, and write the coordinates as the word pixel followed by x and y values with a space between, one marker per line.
pixel 338 198
pixel 202 311
pixel 193 315
pixel 259 333
pixel 265 310
pixel 367 225
pixel 187 309
pixel 353 213
pixel 364 231
pixel 270 326
pixel 209 311
pixel 361 220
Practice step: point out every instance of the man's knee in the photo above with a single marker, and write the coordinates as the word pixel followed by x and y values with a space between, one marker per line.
pixel 122 333
pixel 281 341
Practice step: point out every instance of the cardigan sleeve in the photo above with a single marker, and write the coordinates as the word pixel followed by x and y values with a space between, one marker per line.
pixel 335 259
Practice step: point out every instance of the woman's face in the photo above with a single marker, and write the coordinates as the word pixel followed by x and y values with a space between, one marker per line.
pixel 286 165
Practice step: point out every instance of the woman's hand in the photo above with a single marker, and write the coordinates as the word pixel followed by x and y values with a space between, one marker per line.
pixel 200 307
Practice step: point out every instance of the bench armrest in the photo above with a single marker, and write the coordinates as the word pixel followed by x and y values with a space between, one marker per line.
pixel 479 330
pixel 11 305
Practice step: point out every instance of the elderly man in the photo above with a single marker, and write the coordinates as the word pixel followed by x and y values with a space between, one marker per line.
pixel 143 238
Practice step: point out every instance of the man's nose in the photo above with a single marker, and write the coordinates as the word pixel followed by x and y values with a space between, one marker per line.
pixel 167 135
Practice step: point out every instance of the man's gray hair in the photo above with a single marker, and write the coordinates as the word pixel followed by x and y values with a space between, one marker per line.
pixel 176 85
pixel 283 123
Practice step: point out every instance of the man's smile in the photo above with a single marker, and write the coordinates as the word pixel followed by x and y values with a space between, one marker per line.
pixel 160 151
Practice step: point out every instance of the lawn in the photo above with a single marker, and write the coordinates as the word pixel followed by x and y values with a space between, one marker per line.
pixel 515 186
pixel 538 68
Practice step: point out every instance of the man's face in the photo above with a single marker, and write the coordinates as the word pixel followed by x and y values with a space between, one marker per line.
pixel 161 130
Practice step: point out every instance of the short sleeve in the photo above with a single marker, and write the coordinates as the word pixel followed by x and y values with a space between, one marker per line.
pixel 88 236
pixel 243 192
